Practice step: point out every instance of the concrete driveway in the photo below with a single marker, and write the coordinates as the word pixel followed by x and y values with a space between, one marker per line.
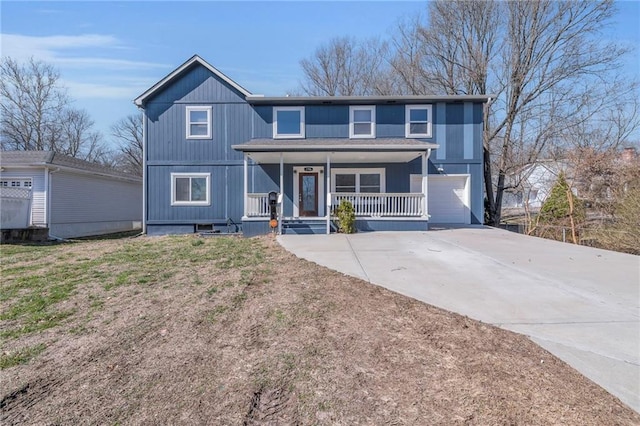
pixel 579 303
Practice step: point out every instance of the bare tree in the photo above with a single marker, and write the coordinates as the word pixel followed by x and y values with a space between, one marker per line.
pixel 550 55
pixel 552 74
pixel 31 101
pixel 78 139
pixel 37 113
pixel 344 67
pixel 128 134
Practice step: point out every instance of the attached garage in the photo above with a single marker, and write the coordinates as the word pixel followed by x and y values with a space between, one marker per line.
pixel 448 199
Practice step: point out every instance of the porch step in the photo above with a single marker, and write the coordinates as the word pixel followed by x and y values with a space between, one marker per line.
pixel 304 226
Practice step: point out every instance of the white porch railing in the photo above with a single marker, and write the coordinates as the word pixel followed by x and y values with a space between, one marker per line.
pixel 365 204
pixel 257 204
pixel 379 205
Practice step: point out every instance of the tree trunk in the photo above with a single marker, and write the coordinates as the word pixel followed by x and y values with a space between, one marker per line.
pixel 488 187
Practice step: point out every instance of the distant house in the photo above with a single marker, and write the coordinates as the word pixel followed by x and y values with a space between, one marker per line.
pixel 70 197
pixel 213 151
pixel 531 184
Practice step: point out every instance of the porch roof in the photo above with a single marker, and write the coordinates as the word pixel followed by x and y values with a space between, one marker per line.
pixel 392 150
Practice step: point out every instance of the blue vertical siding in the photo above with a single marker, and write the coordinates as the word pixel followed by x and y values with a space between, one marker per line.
pixel 167 135
pixel 327 121
pixel 455 131
pixel 262 124
pixel 439 129
pixel 468 131
pixel 390 121
pixel 169 151
pixel 478 116
pixel 456 127
pixel 195 85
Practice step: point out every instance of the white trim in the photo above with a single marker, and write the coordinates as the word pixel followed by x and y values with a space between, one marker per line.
pixel 245 185
pixel 46 199
pixel 357 171
pixel 328 198
pixel 407 121
pixel 14 179
pixel 139 101
pixel 276 135
pixel 281 195
pixel 145 173
pixel 204 108
pixel 296 190
pixel 352 109
pixel 206 202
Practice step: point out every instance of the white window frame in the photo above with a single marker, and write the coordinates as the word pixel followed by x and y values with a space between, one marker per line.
pixel 358 172
pixel 204 108
pixel 352 109
pixel 175 202
pixel 407 114
pixel 300 135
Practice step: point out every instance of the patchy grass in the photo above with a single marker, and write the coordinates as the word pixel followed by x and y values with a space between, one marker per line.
pixel 228 330
pixel 20 356
pixel 34 291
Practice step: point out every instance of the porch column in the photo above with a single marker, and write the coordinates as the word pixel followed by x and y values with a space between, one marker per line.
pixel 328 191
pixel 246 183
pixel 425 185
pixel 281 193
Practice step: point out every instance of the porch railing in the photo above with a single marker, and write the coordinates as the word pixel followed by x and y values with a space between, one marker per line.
pixel 365 204
pixel 258 204
pixel 380 205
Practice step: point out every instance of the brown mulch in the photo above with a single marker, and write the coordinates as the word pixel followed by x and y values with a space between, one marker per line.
pixel 288 342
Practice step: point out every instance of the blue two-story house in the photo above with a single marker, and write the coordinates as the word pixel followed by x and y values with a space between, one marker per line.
pixel 213 151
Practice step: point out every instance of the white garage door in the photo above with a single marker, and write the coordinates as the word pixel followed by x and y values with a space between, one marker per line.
pixel 449 199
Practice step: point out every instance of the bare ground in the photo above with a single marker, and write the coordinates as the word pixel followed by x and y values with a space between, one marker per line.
pixel 270 340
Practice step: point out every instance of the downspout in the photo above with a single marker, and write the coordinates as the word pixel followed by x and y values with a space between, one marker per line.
pixel 425 182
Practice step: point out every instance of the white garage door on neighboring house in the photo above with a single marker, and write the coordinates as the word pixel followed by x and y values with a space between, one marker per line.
pixel 448 197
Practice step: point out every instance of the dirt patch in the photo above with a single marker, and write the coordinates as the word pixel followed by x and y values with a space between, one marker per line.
pixel 233 331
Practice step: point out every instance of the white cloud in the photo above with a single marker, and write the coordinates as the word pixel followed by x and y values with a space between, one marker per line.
pixel 82 90
pixel 70 51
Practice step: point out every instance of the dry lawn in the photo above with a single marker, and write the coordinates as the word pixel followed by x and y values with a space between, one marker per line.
pixel 230 331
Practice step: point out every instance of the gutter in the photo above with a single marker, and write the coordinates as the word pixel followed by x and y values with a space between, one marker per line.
pixel 334 148
pixel 74 170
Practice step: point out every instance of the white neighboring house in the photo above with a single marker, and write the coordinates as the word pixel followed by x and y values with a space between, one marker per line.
pixel 71 197
pixel 532 183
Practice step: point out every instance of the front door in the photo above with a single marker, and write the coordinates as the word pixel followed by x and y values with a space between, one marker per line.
pixel 308 194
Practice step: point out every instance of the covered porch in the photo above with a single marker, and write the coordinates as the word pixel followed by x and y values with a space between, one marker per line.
pixel 384 179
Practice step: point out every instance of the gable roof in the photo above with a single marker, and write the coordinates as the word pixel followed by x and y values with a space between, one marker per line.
pixel 50 158
pixel 195 59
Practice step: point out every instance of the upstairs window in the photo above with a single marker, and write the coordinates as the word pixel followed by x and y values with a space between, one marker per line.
pixel 198 122
pixel 418 121
pixel 288 122
pixel 190 189
pixel 362 122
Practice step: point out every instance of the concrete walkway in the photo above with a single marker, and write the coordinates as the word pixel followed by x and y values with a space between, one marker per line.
pixel 579 303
